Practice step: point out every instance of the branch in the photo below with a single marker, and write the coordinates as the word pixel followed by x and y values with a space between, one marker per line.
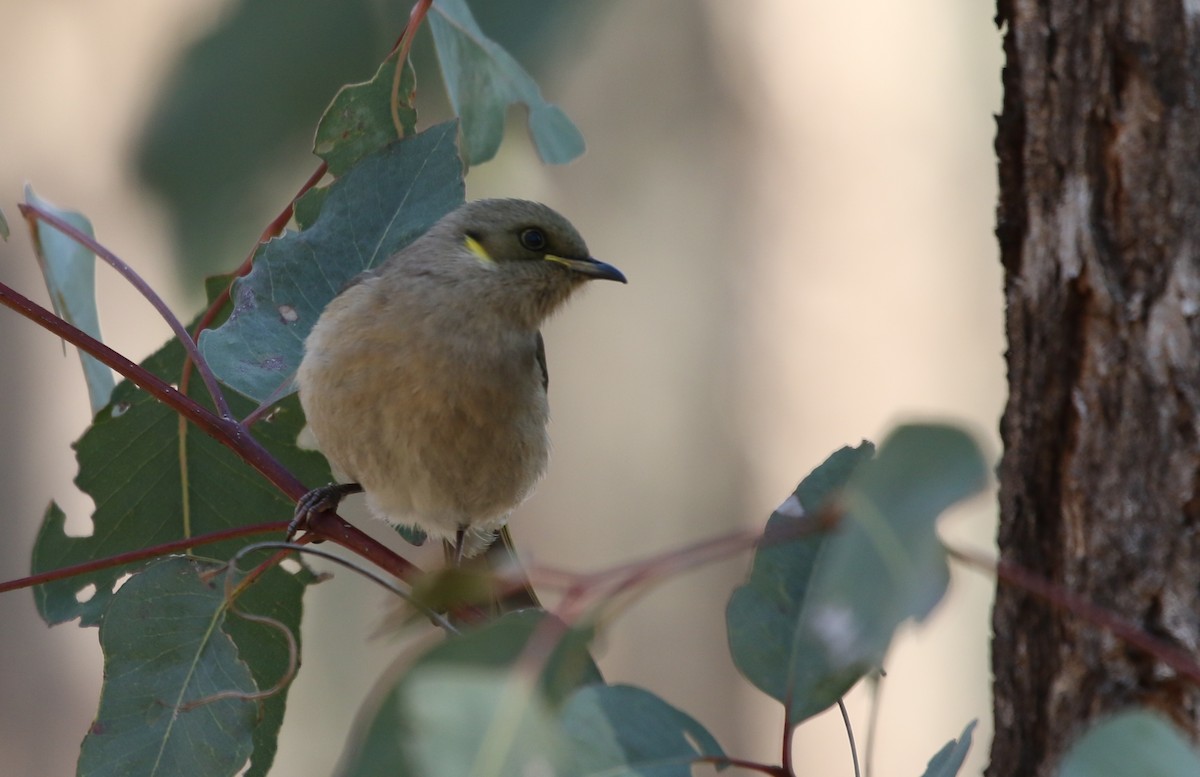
pixel 226 431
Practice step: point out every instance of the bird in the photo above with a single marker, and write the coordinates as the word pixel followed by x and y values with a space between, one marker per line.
pixel 424 382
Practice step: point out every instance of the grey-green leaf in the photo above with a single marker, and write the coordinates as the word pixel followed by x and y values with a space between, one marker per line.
pixel 623 731
pixel 1135 743
pixel 483 80
pixel 885 563
pixel 70 273
pixel 822 612
pixel 762 615
pixel 381 205
pixel 165 657
pixel 947 761
pixel 3 226
pixel 478 722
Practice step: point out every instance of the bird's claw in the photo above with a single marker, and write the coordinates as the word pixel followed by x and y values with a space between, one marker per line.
pixel 319 500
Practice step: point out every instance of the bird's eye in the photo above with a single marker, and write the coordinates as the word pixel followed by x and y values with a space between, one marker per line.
pixel 533 239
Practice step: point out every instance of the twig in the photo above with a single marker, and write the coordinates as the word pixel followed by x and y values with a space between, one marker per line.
pixel 635 579
pixel 1060 598
pixel 850 736
pixel 32 212
pixel 438 619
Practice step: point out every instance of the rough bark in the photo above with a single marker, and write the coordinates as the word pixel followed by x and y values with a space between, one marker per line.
pixel 1099 229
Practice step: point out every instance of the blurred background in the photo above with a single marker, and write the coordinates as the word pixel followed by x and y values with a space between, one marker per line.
pixel 801 194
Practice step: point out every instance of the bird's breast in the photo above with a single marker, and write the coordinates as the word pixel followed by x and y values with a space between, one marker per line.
pixel 439 420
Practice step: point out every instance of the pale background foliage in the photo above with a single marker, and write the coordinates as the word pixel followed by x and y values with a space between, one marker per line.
pixel 801 194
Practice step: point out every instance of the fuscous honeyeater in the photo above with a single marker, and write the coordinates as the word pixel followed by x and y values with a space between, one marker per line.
pixel 424 381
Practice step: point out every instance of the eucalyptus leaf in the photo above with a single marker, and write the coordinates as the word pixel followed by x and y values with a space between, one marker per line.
pixel 166 659
pixel 762 615
pixel 623 731
pixel 69 270
pixel 885 564
pixel 483 80
pixel 359 120
pixel 818 613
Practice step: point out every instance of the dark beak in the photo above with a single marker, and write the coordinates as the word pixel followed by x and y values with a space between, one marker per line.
pixel 590 267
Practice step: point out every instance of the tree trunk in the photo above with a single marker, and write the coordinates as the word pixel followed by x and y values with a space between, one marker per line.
pixel 1099 230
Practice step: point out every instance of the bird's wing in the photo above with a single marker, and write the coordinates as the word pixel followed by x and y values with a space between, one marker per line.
pixel 541 360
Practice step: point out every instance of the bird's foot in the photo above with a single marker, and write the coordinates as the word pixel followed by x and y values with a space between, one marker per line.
pixel 327 497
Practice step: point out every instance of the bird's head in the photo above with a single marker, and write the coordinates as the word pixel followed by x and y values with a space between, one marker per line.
pixel 532 257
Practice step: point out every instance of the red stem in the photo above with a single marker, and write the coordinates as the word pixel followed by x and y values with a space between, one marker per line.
pixel 140 554
pixel 415 17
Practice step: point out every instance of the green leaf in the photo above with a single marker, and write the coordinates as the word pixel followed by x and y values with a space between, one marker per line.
pixel 762 615
pixel 164 655
pixel 463 706
pixel 947 761
pixel 3 227
pixel 482 80
pixel 623 731
pixel 1131 744
pixel 820 613
pixel 70 273
pixel 359 120
pixel 381 205
pixel 885 563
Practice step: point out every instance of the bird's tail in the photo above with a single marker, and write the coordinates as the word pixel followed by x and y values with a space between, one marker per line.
pixel 511 587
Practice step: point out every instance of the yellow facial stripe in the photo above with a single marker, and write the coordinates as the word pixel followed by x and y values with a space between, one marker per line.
pixel 475 247
pixel 559 259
